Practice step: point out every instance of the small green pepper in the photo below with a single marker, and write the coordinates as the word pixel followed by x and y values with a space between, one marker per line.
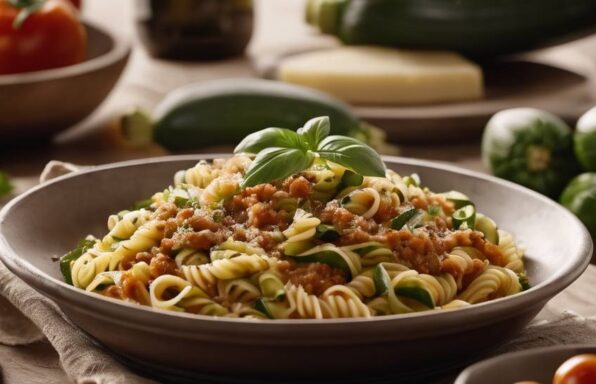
pixel 530 147
pixel 580 198
pixel 585 140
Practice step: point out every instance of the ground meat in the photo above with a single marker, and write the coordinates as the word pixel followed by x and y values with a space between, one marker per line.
pixel 420 250
pixel 315 278
pixel 262 192
pixel 198 240
pixel 166 211
pixel 299 187
pixel 143 256
pixel 451 267
pixel 133 289
pixel 476 240
pixel 262 215
pixel 162 265
pixel 342 219
pixel 113 291
pixel 267 242
pixel 166 246
pixel 201 221
pixel 386 211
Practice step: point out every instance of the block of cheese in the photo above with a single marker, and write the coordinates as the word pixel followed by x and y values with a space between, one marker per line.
pixel 374 75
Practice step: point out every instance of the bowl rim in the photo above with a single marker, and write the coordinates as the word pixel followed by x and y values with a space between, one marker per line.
pixel 121 47
pixel 483 312
pixel 464 376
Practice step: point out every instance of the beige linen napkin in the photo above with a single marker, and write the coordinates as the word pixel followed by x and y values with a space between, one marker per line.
pixel 38 317
pixel 83 361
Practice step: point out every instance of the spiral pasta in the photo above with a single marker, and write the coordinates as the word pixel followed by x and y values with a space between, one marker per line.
pixel 323 243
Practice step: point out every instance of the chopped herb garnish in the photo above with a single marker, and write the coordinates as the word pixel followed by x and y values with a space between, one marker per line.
pixel 84 246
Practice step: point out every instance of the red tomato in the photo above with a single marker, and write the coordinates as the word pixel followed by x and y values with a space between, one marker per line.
pixel 76 3
pixel 580 369
pixel 50 37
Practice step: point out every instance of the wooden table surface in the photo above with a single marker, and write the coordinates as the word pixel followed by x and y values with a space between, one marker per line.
pixel 144 83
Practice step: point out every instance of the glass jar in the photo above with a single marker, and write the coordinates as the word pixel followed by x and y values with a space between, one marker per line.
pixel 195 29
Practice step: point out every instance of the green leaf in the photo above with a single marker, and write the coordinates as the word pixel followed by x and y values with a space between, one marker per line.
pixel 315 130
pixel 5 185
pixel 276 164
pixel 352 154
pixel 71 256
pixel 270 138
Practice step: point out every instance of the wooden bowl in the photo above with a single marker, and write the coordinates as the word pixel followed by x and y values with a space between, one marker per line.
pixel 42 103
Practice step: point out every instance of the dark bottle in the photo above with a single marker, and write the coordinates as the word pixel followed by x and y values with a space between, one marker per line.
pixel 195 29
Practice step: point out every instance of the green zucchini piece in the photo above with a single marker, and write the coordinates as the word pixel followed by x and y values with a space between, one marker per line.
pixel 296 247
pixel 271 309
pixel 327 233
pixel 381 279
pixel 271 286
pixel 458 199
pixel 475 28
pixel 331 255
pixel 401 220
pixel 464 217
pixel 413 179
pixel 142 204
pixel 5 185
pixel 417 293
pixel 223 112
pixel 487 226
pixel 351 179
pixel 137 127
pixel 523 281
pixel 83 246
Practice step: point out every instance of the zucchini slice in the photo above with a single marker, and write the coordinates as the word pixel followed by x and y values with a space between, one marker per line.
pixel 329 254
pixel 271 309
pixel 381 279
pixel 417 293
pixel 271 286
pixel 399 221
pixel 464 217
pixel 327 232
pixel 458 199
pixel 487 226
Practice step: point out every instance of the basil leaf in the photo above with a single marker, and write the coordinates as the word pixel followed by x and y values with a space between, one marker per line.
pixel 275 164
pixel 5 186
pixel 71 256
pixel 352 154
pixel 315 130
pixel 270 138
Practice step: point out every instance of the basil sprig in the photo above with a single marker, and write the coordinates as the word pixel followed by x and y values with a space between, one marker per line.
pixel 283 152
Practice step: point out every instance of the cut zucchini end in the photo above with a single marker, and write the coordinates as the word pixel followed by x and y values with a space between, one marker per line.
pixel 137 128
pixel 329 15
pixel 464 218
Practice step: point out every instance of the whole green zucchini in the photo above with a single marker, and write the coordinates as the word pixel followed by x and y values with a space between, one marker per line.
pixel 223 112
pixel 473 27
